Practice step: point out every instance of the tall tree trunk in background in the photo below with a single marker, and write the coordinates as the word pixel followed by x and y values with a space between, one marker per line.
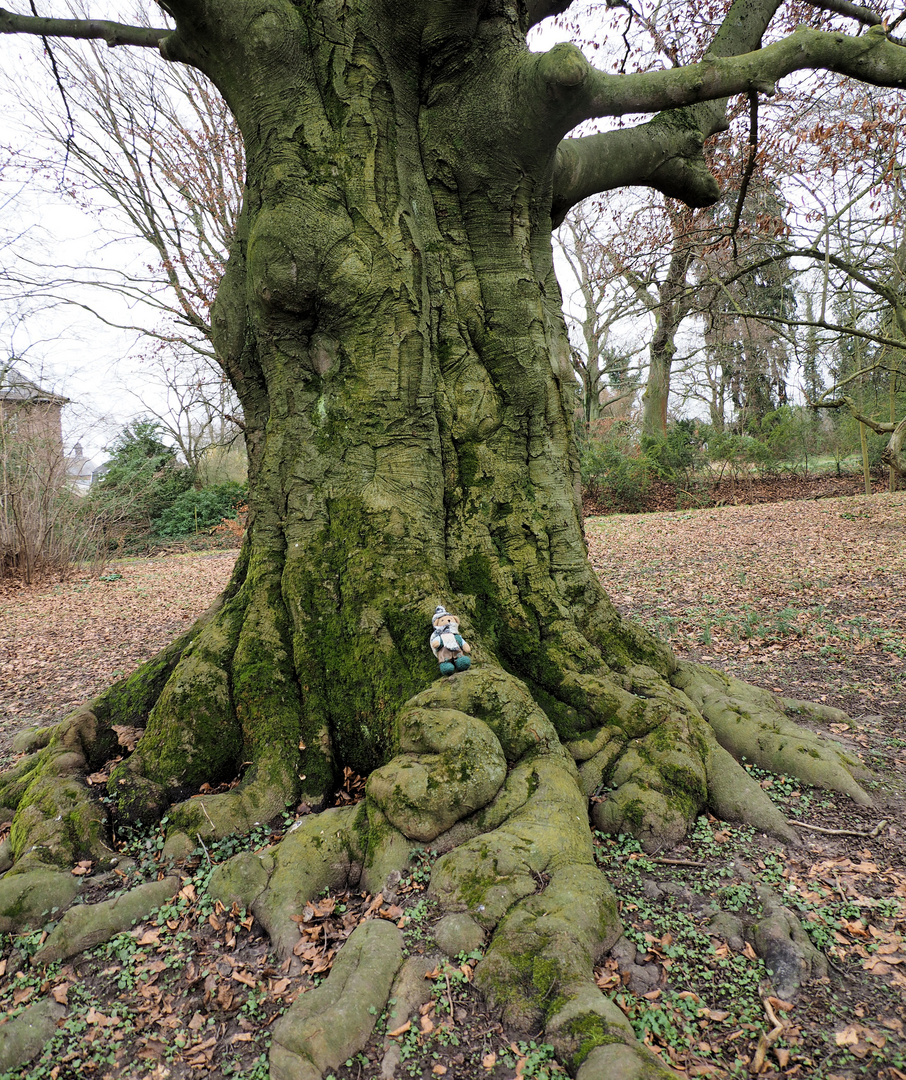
pixel 672 305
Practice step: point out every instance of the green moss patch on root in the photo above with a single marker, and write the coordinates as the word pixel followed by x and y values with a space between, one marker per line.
pixel 86 925
pixel 59 822
pixel 324 851
pixel 27 899
pixel 750 723
pixel 450 765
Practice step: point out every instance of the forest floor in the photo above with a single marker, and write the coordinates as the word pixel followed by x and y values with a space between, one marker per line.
pixel 805 597
pixel 717 489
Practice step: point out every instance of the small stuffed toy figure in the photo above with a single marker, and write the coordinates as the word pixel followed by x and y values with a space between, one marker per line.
pixel 447 644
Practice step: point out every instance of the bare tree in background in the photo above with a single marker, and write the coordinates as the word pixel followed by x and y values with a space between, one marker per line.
pixel 152 153
pixel 607 376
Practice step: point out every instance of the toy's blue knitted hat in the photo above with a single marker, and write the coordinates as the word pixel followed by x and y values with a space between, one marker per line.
pixel 440 613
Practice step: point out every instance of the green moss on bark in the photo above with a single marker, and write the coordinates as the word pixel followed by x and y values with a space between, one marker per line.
pixel 58 823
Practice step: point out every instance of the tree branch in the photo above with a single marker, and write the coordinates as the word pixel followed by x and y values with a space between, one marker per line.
pixel 537 11
pixel 852 11
pixel 668 150
pixel 824 324
pixel 665 154
pixel 871 58
pixel 87 29
pixel 879 427
pixel 668 158
pixel 888 293
pixel 749 169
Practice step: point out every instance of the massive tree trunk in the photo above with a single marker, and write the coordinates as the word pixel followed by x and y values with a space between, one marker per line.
pixel 391 322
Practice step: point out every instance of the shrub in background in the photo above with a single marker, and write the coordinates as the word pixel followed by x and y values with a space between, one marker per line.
pixel 44 526
pixel 735 454
pixel 788 438
pixel 679 457
pixel 194 511
pixel 143 478
pixel 613 472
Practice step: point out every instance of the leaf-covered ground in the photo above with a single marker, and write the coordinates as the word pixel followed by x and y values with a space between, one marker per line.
pixel 807 597
pixel 62 643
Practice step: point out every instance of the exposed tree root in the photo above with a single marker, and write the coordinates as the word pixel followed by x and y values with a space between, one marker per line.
pixel 323 1028
pixel 25 1035
pixel 484 777
pixel 518 855
pixel 751 724
pixel 789 955
pixel 86 925
pixel 58 821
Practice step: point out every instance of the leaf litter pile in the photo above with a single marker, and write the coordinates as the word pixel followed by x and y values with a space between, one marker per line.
pixel 802 597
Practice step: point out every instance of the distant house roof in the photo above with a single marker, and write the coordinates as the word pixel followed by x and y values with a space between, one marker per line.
pixel 15 387
pixel 79 469
pixel 100 472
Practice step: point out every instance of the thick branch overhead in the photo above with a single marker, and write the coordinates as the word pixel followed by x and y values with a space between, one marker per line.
pixel 871 58
pixel 658 154
pixel 538 10
pixel 666 153
pixel 112 33
pixel 853 11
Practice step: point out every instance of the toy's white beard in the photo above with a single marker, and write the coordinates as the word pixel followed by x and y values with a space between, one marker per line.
pixel 448 640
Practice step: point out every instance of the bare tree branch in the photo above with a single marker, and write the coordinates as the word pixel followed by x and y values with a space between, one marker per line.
pixel 668 150
pixel 825 324
pixel 879 427
pixel 871 58
pixel 663 154
pixel 749 169
pixel 112 33
pixel 853 11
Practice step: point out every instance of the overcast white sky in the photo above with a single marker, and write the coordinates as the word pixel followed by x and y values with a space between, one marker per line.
pixel 65 347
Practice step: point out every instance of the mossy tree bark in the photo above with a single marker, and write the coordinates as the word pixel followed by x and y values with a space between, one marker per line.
pixel 391 322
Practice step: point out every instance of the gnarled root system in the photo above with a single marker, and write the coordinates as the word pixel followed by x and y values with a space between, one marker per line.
pixel 493 783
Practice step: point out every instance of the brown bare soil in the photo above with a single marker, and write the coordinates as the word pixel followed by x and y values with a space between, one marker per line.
pixel 807 598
